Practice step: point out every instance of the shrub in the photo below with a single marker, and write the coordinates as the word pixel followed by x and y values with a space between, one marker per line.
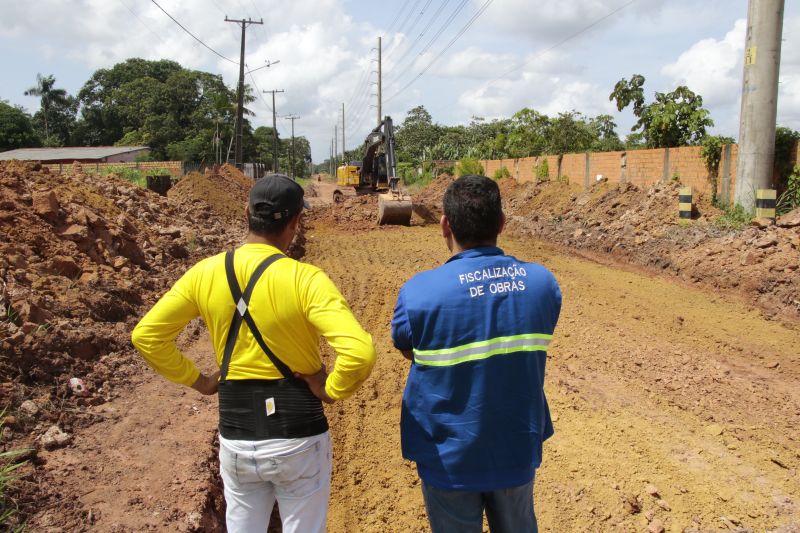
pixel 736 218
pixel 137 177
pixel 469 165
pixel 790 198
pixel 501 173
pixel 711 152
pixel 542 170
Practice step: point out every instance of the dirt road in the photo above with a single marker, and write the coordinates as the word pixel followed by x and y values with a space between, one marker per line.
pixel 653 386
pixel 671 405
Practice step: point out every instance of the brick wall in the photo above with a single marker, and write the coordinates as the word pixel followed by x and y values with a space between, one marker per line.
pixel 643 168
pixel 175 168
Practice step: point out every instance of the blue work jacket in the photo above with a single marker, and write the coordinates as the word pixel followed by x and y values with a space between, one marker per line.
pixel 474 412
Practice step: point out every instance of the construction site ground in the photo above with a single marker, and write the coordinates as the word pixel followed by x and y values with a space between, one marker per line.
pixel 675 396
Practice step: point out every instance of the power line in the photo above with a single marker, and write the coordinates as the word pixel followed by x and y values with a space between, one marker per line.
pixel 424 30
pixel 433 39
pixel 141 21
pixel 559 43
pixel 395 44
pixel 446 48
pixel 193 35
pixel 396 17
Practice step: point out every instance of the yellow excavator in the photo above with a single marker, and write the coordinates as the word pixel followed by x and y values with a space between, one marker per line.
pixel 376 173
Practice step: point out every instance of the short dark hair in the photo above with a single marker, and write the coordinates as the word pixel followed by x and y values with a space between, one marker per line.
pixel 473 209
pixel 265 226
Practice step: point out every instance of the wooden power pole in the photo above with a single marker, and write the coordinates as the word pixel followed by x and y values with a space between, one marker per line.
pixel 244 23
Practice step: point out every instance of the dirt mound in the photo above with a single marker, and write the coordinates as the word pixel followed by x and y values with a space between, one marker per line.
pixel 223 191
pixel 359 213
pixel 81 257
pixel 642 226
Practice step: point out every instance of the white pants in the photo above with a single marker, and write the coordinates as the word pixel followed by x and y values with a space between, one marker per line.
pixel 296 472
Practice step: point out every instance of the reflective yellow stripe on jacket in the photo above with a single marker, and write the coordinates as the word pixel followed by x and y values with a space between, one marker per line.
pixel 475 351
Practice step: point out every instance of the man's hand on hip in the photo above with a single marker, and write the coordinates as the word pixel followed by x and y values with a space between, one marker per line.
pixel 316 382
pixel 207 385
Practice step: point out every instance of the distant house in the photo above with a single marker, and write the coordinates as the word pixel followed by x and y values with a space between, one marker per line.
pixel 82 154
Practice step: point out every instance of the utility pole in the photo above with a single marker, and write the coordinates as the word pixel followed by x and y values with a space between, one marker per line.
pixel 335 146
pixel 762 58
pixel 344 145
pixel 380 84
pixel 292 118
pixel 330 159
pixel 244 23
pixel 274 130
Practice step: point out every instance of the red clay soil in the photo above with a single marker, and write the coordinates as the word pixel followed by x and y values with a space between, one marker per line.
pixel 641 227
pixel 81 258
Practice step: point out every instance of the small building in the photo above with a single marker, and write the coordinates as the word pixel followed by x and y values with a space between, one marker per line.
pixel 82 154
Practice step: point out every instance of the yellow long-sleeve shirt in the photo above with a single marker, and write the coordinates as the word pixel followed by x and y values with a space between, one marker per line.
pixel 293 304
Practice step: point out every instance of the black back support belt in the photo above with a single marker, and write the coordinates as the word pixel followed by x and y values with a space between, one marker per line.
pixel 260 409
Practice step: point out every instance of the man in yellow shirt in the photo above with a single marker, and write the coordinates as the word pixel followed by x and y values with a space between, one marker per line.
pixel 265 313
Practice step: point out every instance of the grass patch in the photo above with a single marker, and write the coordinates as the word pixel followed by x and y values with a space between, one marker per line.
pixel 735 218
pixel 8 467
pixel 137 177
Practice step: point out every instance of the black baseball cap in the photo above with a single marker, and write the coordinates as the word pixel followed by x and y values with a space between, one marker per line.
pixel 276 196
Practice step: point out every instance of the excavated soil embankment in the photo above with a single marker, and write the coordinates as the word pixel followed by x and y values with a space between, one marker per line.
pixel 630 225
pixel 81 258
pixel 674 408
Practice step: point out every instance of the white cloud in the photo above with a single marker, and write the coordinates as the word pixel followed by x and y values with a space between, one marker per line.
pixel 712 68
pixel 545 19
pixel 543 85
pixel 476 64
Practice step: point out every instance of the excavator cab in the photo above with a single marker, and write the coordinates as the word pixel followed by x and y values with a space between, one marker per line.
pixel 377 173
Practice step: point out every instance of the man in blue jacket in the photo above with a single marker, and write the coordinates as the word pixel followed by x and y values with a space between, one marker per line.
pixel 476 329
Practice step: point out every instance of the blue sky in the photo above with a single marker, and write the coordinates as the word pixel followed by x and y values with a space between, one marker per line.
pixel 499 65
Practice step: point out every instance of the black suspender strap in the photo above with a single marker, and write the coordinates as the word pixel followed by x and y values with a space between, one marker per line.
pixel 242 313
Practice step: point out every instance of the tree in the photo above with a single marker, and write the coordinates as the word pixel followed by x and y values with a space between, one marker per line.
pixel 49 97
pixel 677 118
pixel 16 130
pixel 177 112
pixel 60 121
pixel 606 138
pixel 417 134
pixel 528 136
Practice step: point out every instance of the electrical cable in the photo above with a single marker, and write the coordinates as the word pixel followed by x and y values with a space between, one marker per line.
pixel 446 48
pixel 395 44
pixel 141 21
pixel 422 33
pixel 392 80
pixel 193 35
pixel 554 46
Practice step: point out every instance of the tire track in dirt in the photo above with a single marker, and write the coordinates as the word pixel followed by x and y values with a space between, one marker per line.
pixel 650 383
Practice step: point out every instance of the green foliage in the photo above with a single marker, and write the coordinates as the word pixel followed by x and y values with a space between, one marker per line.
pixel 469 165
pixel 735 218
pixel 501 173
pixel 786 140
pixel 711 151
pixel 7 476
pixel 173 110
pixel 416 134
pixel 56 117
pixel 677 118
pixel 790 198
pixel 542 170
pixel 137 177
pixel 16 129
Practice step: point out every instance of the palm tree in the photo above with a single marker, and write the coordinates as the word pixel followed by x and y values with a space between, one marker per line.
pixel 44 89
